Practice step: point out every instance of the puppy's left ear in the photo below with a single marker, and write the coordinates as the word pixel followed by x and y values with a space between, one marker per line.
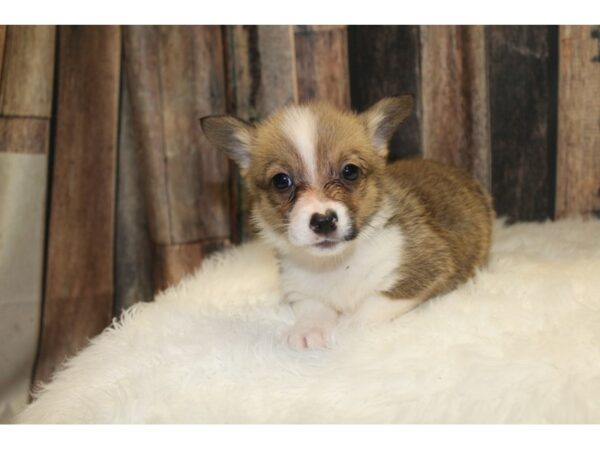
pixel 383 118
pixel 230 135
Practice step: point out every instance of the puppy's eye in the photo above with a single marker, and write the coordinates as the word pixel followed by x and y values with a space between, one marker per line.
pixel 350 172
pixel 282 181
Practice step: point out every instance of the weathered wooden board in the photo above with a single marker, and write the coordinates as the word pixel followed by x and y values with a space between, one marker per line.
pixel 383 61
pixel 133 274
pixel 28 61
pixel 261 77
pixel 578 166
pixel 522 68
pixel 2 45
pixel 24 135
pixel 175 75
pixel 322 64
pixel 454 99
pixel 80 259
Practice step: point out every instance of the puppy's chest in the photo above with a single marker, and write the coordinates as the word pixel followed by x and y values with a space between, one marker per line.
pixel 371 268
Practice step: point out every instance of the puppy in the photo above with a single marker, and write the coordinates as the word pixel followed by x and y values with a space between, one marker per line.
pixel 354 235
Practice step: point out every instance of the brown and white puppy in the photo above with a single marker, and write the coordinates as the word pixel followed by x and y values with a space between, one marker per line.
pixel 353 234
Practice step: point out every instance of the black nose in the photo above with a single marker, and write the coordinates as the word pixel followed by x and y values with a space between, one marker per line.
pixel 324 223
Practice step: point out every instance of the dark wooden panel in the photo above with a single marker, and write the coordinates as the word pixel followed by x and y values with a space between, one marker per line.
pixel 261 73
pixel 384 60
pixel 322 64
pixel 24 135
pixel 28 61
pixel 522 65
pixel 79 275
pixel 133 274
pixel 578 168
pixel 175 75
pixel 455 114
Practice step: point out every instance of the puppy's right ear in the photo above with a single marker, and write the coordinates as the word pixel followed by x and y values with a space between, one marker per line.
pixel 230 135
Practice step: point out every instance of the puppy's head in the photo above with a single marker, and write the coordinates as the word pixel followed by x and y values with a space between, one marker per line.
pixel 314 173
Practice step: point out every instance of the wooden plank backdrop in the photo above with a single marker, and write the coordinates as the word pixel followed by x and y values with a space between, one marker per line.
pixel 454 84
pixel 322 64
pixel 133 260
pixel 79 290
pixel 522 68
pixel 175 75
pixel 516 106
pixel 578 175
pixel 384 60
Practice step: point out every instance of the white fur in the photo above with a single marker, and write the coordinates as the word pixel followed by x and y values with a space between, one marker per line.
pixel 367 267
pixel 299 124
pixel 519 344
pixel 322 283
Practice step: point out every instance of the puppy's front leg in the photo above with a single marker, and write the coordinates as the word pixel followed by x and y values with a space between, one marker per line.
pixel 314 325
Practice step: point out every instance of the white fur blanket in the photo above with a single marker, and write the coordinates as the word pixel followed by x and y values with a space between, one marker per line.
pixel 521 343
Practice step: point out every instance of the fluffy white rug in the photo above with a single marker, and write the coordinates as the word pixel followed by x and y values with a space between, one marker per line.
pixel 521 343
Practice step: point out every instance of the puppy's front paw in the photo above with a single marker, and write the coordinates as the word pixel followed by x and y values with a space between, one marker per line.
pixel 309 337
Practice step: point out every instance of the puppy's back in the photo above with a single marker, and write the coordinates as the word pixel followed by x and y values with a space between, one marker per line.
pixel 453 205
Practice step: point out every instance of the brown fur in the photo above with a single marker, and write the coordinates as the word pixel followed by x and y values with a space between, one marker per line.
pixel 446 217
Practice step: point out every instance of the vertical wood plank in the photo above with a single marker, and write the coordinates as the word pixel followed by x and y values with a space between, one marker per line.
pixel 455 115
pixel 28 61
pixel 2 46
pixel 261 73
pixel 26 80
pixel 133 274
pixel 578 166
pixel 522 66
pixel 322 64
pixel 175 75
pixel 383 61
pixel 79 275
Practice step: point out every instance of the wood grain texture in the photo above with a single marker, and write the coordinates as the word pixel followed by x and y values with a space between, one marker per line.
pixel 522 67
pixel 2 46
pixel 322 64
pixel 79 272
pixel 173 262
pixel 261 75
pixel 175 75
pixel 454 99
pixel 578 166
pixel 261 69
pixel 28 61
pixel 133 274
pixel 383 61
pixel 24 135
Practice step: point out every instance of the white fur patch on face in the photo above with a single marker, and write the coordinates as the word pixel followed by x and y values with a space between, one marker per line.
pixel 300 126
pixel 301 235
